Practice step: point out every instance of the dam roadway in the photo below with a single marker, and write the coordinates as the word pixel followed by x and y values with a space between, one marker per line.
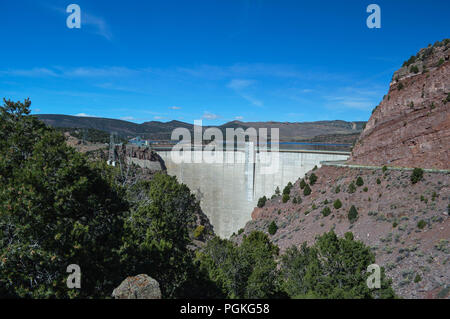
pixel 229 191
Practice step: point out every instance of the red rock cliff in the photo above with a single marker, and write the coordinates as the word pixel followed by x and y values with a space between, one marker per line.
pixel 411 126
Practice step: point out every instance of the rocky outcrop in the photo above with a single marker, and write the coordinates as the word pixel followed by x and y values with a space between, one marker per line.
pixel 138 287
pixel 411 126
pixel 143 153
pixel 143 157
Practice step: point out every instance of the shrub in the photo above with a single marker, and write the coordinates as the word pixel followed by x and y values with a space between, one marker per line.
pixel 352 214
pixel 337 204
pixel 417 279
pixel 273 228
pixel 394 224
pixel 351 188
pixel 349 235
pixel 262 201
pixel 294 200
pixel 441 61
pixel 384 169
pixel 285 198
pixel 433 196
pixel 414 69
pixel 312 179
pixel 287 189
pixel 198 232
pixel 374 109
pixel 400 86
pixel 331 268
pixel 277 191
pixel 378 181
pixel 337 189
pixel 326 211
pixel 315 167
pixel 307 190
pixel 421 224
pixel 444 292
pixel 365 189
pixel 302 184
pixel 410 61
pixel 246 271
pixel 156 234
pixel 416 175
pixel 359 181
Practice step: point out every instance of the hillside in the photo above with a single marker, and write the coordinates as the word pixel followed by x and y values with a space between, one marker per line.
pixel 388 219
pixel 402 216
pixel 411 126
pixel 322 131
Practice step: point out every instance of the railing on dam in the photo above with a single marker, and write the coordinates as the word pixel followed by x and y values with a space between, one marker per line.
pixel 240 146
pixel 242 149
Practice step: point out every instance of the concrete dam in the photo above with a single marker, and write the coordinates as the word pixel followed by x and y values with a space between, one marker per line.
pixel 229 191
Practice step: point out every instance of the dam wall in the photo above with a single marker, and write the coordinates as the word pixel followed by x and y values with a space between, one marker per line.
pixel 229 191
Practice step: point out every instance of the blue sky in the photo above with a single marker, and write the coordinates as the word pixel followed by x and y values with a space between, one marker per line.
pixel 288 61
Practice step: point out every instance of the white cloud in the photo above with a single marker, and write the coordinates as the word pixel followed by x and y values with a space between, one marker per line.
pixel 350 102
pixel 157 117
pixel 239 118
pixel 239 84
pixel 85 115
pixel 81 72
pixel 354 98
pixel 127 118
pixel 174 107
pixel 110 71
pixel 34 72
pixel 210 116
pixel 99 25
pixel 252 100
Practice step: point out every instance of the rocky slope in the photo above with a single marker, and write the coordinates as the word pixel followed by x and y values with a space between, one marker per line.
pixel 411 126
pixel 389 209
pixel 406 223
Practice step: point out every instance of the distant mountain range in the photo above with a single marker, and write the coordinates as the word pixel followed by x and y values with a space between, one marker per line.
pixel 331 131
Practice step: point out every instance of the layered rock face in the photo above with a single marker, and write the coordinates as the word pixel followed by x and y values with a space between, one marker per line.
pixel 411 126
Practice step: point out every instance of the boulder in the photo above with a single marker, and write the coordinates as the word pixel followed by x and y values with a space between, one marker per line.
pixel 138 287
